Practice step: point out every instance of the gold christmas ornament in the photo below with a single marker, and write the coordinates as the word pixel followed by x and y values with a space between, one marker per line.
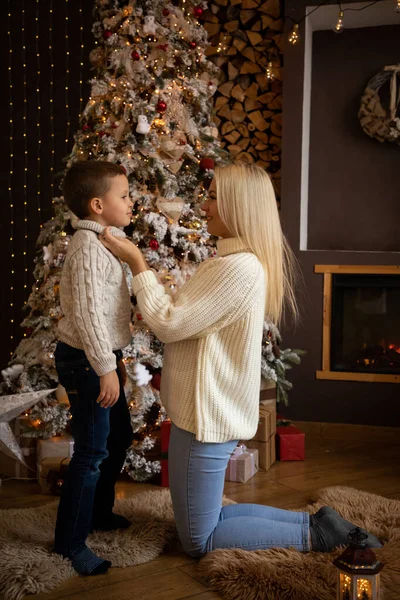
pixel 98 57
pixel 123 84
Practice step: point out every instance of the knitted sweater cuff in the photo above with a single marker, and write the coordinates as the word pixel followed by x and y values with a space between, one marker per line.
pixel 143 280
pixel 104 365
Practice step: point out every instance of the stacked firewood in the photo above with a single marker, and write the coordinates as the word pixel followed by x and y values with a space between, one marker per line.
pixel 246 38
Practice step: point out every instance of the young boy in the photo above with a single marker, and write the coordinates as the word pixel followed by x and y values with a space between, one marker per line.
pixel 95 326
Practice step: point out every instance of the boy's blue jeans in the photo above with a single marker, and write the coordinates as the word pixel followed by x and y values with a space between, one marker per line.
pixel 101 438
pixel 197 474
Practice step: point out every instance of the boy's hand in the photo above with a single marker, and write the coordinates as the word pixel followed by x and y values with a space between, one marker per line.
pixel 109 390
pixel 122 370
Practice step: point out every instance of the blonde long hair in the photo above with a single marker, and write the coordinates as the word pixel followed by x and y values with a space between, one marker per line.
pixel 247 205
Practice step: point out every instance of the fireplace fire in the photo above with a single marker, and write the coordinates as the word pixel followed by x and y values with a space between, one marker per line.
pixel 361 327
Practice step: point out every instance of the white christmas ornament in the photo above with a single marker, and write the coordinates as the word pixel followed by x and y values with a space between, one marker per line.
pixel 10 407
pixel 149 27
pixel 143 125
pixel 48 252
pixel 142 375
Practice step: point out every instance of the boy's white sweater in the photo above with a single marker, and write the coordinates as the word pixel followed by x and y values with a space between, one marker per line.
pixel 213 330
pixel 94 298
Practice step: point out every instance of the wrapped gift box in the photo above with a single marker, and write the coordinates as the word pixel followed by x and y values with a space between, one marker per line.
pixel 266 452
pixel 51 472
pixel 267 421
pixel 264 440
pixel 165 435
pixel 58 447
pixel 290 443
pixel 242 465
pixel 10 467
pixel 267 390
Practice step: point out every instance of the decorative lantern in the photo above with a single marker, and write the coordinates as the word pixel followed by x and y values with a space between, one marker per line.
pixel 358 570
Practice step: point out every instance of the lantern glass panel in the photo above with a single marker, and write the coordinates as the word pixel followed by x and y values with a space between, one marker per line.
pixel 364 589
pixel 346 587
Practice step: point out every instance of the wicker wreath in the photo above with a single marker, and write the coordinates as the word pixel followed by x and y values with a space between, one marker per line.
pixel 378 123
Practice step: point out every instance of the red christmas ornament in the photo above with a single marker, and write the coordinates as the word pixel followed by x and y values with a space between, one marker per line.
pixel 107 34
pixel 156 381
pixel 102 133
pixel 154 245
pixel 86 127
pixel 207 164
pixel 163 47
pixel 135 55
pixel 165 12
pixel 192 44
pixel 161 106
pixel 139 317
pixel 198 11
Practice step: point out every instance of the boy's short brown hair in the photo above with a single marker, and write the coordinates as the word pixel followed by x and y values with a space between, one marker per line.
pixel 87 179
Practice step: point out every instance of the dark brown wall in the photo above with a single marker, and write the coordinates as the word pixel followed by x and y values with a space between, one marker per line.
pixel 346 170
pixel 354 191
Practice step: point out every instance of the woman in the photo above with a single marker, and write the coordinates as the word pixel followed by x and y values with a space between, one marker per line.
pixel 212 330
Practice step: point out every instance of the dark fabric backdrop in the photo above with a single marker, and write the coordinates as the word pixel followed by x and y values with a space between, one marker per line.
pixel 26 19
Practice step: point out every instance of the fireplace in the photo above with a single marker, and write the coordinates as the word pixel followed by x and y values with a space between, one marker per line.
pixel 361 323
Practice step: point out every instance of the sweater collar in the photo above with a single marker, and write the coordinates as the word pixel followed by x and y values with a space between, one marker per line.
pixel 232 245
pixel 97 228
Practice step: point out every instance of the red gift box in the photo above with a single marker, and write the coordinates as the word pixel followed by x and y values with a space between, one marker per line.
pixel 290 443
pixel 165 433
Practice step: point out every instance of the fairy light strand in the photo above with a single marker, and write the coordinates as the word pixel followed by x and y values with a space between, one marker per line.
pixel 10 175
pixel 51 99
pixel 25 140
pixel 82 49
pixel 67 78
pixel 39 114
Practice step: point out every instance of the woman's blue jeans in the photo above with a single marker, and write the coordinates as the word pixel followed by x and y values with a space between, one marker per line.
pixel 101 438
pixel 197 475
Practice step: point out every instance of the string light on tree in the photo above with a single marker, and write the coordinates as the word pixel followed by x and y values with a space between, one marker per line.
pixel 397 8
pixel 339 26
pixel 294 35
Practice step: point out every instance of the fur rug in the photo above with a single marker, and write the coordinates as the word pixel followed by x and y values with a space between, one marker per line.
pixel 27 565
pixel 280 574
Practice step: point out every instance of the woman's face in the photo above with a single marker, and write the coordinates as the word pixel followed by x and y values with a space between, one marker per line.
pixel 215 225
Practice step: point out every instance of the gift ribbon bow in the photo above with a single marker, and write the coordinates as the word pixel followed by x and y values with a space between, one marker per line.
pixel 238 451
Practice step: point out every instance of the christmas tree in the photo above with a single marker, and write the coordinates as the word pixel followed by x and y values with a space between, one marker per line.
pixel 150 110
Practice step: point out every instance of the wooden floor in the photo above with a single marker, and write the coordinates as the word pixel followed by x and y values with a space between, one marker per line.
pixel 370 466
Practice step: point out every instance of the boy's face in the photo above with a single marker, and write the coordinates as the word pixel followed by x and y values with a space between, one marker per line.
pixel 115 206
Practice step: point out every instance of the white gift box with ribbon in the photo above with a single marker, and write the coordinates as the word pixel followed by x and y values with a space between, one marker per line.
pixel 56 447
pixel 242 465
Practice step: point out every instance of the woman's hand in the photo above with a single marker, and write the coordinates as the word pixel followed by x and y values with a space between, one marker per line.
pixel 125 250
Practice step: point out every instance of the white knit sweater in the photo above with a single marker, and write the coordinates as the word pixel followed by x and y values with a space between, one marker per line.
pixel 212 329
pixel 94 298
